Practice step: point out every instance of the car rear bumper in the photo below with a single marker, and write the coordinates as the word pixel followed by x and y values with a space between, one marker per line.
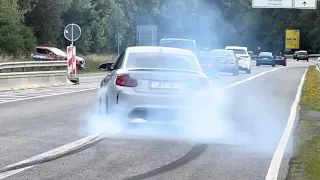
pixel 280 61
pixel 266 62
pixel 156 107
pixel 303 58
pixel 244 64
pixel 227 68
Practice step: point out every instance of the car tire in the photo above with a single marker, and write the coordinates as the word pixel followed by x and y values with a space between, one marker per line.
pixel 307 60
pixel 248 71
pixel 235 72
pixel 103 110
pixel 273 65
pixel 284 63
pixel 257 63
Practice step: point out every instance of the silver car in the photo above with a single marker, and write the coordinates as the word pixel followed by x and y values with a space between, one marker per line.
pixel 226 61
pixel 152 83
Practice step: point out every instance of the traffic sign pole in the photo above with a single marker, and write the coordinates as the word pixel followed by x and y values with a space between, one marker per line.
pixel 72 32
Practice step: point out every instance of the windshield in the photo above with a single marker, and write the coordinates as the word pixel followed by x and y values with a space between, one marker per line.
pixel 162 61
pixel 239 51
pixel 183 44
pixel 57 51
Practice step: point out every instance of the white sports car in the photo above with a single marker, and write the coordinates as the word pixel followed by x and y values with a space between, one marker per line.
pixel 152 83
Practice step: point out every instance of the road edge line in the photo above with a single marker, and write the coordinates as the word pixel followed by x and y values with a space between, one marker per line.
pixel 276 161
pixel 50 95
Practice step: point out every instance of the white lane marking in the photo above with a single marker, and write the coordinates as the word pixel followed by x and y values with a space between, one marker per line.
pixel 92 77
pixel 49 95
pixel 11 95
pixel 278 154
pixel 13 172
pixel 248 79
pixel 55 152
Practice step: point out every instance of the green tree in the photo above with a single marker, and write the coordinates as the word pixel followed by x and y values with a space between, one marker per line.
pixel 15 37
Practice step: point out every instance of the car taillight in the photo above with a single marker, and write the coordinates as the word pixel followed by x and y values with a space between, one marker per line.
pixel 126 80
pixel 204 84
pixel 233 61
pixel 209 65
pixel 307 55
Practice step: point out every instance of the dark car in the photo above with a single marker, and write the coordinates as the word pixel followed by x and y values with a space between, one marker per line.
pixel 208 64
pixel 281 60
pixel 295 54
pixel 226 61
pixel 303 55
pixel 266 58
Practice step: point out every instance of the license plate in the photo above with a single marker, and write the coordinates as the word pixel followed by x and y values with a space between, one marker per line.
pixel 164 85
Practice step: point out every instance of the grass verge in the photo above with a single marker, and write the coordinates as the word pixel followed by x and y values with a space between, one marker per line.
pixel 305 163
pixel 4 59
pixel 93 62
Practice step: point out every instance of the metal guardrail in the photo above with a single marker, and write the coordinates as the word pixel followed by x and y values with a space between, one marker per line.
pixel 310 55
pixel 59 65
pixel 18 74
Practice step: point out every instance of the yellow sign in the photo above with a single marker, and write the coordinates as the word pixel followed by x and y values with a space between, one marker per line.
pixel 292 39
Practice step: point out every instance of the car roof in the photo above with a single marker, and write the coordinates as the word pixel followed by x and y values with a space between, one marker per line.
pixel 155 49
pixel 222 50
pixel 265 52
pixel 236 47
pixel 178 39
pixel 45 47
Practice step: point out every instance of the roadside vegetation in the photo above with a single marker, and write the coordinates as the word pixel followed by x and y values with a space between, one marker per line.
pixel 27 23
pixel 305 163
pixel 93 61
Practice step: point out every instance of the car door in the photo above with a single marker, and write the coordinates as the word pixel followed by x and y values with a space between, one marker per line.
pixel 43 53
pixel 110 78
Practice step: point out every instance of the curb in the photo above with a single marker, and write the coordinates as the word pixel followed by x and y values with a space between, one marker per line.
pixel 34 86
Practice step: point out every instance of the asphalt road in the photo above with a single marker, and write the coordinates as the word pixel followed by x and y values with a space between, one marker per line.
pixel 256 112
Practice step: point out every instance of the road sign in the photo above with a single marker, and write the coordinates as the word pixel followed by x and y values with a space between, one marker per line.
pixel 272 3
pixel 292 39
pixel 305 4
pixel 72 32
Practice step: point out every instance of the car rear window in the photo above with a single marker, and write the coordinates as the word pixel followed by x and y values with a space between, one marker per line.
pixel 225 54
pixel 183 44
pixel 162 61
pixel 238 51
pixel 265 54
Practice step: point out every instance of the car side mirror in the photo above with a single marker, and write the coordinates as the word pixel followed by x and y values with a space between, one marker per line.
pixel 106 66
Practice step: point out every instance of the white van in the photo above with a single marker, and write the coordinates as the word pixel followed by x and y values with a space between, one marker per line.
pixel 244 58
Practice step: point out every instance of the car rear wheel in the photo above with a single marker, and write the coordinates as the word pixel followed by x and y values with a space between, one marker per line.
pixel 235 72
pixel 103 107
pixel 248 71
pixel 284 63
pixel 257 63
pixel 274 64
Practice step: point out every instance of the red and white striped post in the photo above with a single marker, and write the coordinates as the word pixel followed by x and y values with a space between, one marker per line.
pixel 72 64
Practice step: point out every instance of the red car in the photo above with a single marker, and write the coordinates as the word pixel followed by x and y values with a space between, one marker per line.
pixel 52 53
